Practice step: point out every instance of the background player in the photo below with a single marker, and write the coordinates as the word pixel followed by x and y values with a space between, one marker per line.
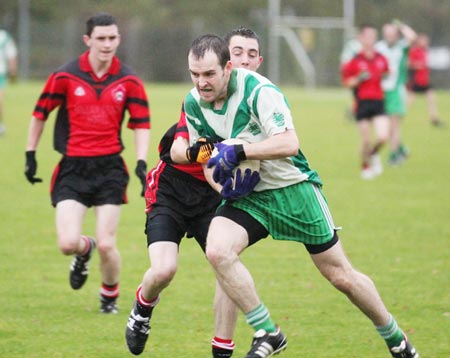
pixel 244 48
pixel 180 201
pixel 364 74
pixel 8 68
pixel 92 94
pixel 397 38
pixel 351 48
pixel 419 77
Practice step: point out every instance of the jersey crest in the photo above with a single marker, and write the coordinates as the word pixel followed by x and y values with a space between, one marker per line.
pixel 79 91
pixel 118 93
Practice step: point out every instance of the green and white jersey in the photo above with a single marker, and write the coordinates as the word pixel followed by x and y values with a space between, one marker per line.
pixel 397 56
pixel 254 110
pixel 8 50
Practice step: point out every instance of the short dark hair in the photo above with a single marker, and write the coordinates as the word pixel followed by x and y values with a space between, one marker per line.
pixel 243 32
pixel 212 43
pixel 100 19
pixel 364 26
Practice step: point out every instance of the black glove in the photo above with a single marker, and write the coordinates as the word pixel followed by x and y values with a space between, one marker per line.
pixel 240 186
pixel 141 172
pixel 363 76
pixel 201 151
pixel 31 167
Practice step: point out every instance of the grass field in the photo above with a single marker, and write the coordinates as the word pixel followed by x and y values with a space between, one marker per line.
pixel 395 228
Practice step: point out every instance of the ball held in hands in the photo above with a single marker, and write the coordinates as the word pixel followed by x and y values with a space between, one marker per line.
pixel 223 174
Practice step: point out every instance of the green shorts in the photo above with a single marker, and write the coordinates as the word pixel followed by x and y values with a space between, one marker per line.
pixel 394 102
pixel 297 213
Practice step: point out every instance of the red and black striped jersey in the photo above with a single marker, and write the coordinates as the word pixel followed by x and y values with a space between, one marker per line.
pixel 91 110
pixel 418 64
pixel 376 67
pixel 179 130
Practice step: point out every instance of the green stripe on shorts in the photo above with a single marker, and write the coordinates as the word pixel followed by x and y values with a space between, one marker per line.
pixel 297 213
pixel 394 102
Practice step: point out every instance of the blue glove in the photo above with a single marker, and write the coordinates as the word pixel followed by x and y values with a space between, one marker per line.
pixel 242 185
pixel 225 161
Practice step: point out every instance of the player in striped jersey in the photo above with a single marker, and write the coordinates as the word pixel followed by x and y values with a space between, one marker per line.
pixel 419 81
pixel 180 201
pixel 363 74
pixel 287 203
pixel 92 94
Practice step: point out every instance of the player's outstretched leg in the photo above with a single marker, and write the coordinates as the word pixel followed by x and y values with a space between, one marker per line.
pixel 79 269
pixel 138 328
pixel 266 344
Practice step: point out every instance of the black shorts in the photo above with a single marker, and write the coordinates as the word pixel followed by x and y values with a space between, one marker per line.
pixel 180 204
pixel 92 181
pixel 256 231
pixel 368 108
pixel 414 87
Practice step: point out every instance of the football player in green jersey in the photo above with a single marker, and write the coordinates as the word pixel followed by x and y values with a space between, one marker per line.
pixel 286 203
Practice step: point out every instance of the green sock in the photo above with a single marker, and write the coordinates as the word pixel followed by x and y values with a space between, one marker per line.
pixel 391 333
pixel 403 150
pixel 259 318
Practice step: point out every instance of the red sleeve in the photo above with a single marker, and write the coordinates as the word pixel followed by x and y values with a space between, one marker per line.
pixel 52 96
pixel 137 105
pixel 348 70
pixel 182 130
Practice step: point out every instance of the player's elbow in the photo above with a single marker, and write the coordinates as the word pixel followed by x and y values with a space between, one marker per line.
pixel 178 150
pixel 174 155
pixel 290 144
pixel 292 148
pixel 349 83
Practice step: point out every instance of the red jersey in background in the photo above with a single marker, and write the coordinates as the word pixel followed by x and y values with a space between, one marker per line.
pixel 91 109
pixel 375 67
pixel 418 66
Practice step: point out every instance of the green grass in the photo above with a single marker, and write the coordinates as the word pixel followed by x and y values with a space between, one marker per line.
pixel 396 229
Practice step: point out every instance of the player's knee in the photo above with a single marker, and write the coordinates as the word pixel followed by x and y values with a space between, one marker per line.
pixel 163 275
pixel 341 279
pixel 68 244
pixel 383 138
pixel 215 255
pixel 68 247
pixel 105 247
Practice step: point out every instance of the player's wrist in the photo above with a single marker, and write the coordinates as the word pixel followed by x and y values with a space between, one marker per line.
pixel 240 153
pixel 189 156
pixel 141 168
pixel 30 154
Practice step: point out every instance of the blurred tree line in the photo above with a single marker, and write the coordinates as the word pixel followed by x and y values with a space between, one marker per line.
pixel 157 33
